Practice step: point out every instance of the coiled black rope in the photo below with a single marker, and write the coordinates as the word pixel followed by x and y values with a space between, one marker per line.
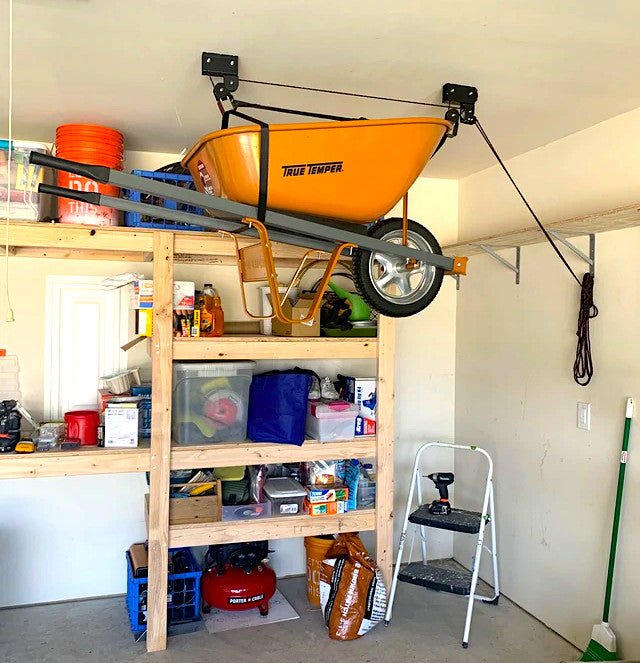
pixel 583 366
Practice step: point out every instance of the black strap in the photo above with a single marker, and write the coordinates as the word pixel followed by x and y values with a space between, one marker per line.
pixel 264 156
pixel 291 111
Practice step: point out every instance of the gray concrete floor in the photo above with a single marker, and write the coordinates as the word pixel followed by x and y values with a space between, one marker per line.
pixel 427 626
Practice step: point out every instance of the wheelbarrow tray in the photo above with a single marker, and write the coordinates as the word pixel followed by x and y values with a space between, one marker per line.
pixel 355 170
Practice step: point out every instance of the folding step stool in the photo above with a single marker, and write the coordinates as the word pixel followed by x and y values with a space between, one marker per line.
pixel 435 577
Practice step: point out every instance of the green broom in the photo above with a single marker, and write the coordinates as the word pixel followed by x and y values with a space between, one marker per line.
pixel 602 646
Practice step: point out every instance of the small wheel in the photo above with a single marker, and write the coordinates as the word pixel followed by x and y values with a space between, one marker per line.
pixel 389 284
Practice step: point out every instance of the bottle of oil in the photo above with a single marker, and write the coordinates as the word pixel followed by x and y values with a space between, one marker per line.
pixel 211 313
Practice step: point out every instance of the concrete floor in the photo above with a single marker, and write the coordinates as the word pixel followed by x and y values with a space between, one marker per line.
pixel 427 626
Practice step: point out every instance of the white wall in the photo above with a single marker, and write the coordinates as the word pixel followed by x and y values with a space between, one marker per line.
pixel 74 523
pixel 515 395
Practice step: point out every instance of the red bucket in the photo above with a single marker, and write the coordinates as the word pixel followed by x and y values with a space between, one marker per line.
pixel 92 144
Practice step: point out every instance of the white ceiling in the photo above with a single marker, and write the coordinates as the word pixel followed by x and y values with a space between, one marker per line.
pixel 544 68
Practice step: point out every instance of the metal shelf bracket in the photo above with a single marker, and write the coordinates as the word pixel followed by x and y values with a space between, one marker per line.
pixel 589 259
pixel 514 267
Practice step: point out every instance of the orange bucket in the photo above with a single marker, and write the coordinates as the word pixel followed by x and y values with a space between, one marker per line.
pixel 87 143
pixel 316 547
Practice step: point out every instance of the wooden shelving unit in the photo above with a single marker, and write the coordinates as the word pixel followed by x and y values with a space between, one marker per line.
pixel 33 240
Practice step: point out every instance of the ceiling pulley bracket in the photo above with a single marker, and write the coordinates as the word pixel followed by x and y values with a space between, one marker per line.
pixel 465 97
pixel 220 65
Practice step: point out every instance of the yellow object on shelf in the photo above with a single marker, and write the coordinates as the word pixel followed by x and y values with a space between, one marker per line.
pixel 355 170
pixel 229 473
pixel 25 448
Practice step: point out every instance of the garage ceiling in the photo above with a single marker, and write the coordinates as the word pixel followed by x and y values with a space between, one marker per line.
pixel 544 69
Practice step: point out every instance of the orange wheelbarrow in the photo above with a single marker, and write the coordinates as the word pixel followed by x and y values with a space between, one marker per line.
pixel 322 185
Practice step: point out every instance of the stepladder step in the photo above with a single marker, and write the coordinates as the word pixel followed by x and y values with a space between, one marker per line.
pixel 459 520
pixel 439 578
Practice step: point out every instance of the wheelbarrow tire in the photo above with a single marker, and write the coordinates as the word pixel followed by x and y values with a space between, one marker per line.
pixel 362 267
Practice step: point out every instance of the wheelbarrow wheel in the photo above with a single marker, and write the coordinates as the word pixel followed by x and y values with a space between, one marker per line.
pixel 391 285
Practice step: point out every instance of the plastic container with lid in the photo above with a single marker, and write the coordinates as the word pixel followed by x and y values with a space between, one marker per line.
pixel 210 401
pixel 331 420
pixel 286 496
pixel 9 378
pixel 24 179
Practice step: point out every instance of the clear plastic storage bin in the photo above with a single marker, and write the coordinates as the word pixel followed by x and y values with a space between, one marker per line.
pixel 25 177
pixel 331 420
pixel 210 401
pixel 286 496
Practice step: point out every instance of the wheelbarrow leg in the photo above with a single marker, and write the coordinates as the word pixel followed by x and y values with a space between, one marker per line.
pixel 256 263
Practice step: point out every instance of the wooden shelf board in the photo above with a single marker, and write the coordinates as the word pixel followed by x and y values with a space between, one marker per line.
pixel 274 347
pixel 202 534
pixel 252 453
pixel 66 241
pixel 96 460
pixel 615 219
pixel 84 460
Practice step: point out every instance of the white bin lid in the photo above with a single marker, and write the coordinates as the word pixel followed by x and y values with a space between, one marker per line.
pixel 279 487
pixel 325 409
pixel 212 369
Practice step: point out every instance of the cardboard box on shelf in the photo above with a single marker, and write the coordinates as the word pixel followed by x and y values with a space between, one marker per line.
pixel 297 311
pixel 142 295
pixel 320 495
pixel 362 392
pixel 122 424
pixel 326 508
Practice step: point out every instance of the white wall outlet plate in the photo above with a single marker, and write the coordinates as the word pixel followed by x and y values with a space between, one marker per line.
pixel 584 416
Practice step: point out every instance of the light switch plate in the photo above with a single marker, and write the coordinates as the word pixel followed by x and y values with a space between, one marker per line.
pixel 584 416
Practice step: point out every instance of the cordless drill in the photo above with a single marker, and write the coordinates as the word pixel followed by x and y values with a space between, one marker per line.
pixel 442 480
pixel 9 426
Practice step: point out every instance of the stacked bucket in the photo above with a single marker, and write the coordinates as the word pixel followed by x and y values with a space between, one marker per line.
pixel 92 144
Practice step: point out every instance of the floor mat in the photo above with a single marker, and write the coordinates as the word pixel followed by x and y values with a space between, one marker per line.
pixel 280 610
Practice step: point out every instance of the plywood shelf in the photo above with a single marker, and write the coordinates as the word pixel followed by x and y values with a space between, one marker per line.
pixel 96 460
pixel 76 242
pixel 84 460
pixel 203 534
pixel 615 219
pixel 252 453
pixel 274 347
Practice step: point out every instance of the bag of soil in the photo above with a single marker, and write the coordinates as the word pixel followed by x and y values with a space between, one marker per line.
pixel 352 593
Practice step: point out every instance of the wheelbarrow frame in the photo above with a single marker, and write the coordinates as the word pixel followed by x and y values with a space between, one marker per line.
pixel 315 234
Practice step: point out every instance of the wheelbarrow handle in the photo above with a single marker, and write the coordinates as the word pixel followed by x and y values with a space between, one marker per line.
pixel 97 173
pixel 91 197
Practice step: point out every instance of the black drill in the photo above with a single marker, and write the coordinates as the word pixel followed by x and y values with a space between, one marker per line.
pixel 442 480
pixel 9 426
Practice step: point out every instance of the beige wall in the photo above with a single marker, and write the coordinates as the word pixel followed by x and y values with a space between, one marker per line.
pixel 515 395
pixel 424 411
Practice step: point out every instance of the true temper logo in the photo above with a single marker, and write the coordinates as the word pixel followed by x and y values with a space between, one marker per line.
pixel 323 168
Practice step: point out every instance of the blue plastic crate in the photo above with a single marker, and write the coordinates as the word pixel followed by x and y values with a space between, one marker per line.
pixel 144 407
pixel 183 590
pixel 135 220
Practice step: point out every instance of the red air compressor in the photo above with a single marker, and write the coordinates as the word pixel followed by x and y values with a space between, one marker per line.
pixel 237 577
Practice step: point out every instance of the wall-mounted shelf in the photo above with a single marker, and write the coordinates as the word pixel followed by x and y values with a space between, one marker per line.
pixel 615 219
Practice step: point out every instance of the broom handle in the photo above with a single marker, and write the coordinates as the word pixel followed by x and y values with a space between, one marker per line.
pixel 616 515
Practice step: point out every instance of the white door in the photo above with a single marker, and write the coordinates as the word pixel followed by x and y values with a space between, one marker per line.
pixel 85 326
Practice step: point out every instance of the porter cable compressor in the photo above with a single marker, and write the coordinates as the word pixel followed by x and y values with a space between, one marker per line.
pixel 441 507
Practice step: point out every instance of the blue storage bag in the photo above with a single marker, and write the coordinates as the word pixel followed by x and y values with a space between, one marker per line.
pixel 278 406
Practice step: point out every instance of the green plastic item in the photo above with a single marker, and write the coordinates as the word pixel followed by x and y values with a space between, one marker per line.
pixel 360 310
pixel 235 473
pixel 602 646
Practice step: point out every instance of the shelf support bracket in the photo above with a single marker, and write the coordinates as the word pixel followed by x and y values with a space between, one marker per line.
pixel 514 267
pixel 589 259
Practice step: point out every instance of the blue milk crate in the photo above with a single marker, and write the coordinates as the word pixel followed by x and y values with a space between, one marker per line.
pixel 135 220
pixel 183 594
pixel 144 407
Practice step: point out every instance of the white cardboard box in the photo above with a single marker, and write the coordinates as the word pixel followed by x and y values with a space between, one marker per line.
pixel 121 426
pixel 183 295
pixel 362 392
